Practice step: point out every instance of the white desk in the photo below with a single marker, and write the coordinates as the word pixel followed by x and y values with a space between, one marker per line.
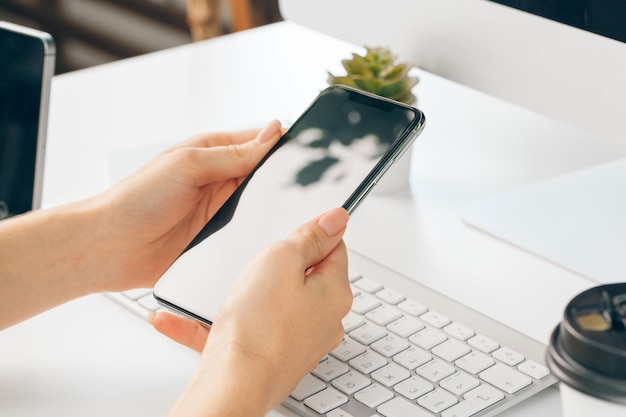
pixel 86 358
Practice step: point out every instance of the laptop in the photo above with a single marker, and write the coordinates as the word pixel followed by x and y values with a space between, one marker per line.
pixel 27 59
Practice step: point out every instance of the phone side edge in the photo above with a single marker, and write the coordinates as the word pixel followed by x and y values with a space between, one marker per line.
pixel 392 155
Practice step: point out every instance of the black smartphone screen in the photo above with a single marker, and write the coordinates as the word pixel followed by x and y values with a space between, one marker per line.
pixel 22 68
pixel 330 157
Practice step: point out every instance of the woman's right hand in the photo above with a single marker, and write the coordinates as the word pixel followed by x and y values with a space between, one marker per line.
pixel 282 315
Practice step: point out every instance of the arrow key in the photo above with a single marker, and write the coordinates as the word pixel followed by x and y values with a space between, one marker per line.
pixel 507 379
pixel 475 400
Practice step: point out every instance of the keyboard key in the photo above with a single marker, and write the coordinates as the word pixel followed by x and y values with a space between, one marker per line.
pixel 459 383
pixel 437 400
pixel 368 362
pixel 413 387
pixel 149 303
pixel 405 326
pixel 364 303
pixel 474 401
pixel 368 333
pixel 428 338
pixel 458 331
pixel 368 285
pixel 475 362
pixel 435 319
pixel 137 293
pixel 451 350
pixel 130 300
pixel 482 343
pixel 373 395
pixel 351 382
pixel 353 275
pixel 508 356
pixel 390 345
pixel 412 357
pixel 399 407
pixel 347 349
pixel 383 315
pixel 391 374
pixel 435 370
pixel 355 291
pixel 308 386
pixel 507 379
pixel 338 412
pixel 330 369
pixel 412 307
pixel 326 400
pixel 351 321
pixel 390 296
pixel 533 369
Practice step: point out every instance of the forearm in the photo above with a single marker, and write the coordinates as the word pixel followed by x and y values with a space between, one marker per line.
pixel 45 260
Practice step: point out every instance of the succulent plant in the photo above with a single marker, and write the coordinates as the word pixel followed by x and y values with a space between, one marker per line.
pixel 378 72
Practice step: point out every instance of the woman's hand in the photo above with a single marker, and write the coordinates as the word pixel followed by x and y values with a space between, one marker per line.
pixel 282 315
pixel 155 212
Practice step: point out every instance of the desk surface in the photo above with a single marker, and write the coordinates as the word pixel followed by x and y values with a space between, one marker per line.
pixel 473 146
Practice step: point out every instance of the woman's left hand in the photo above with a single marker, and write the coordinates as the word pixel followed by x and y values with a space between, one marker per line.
pixel 153 214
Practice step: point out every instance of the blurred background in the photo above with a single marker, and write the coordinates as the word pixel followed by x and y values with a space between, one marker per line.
pixel 92 32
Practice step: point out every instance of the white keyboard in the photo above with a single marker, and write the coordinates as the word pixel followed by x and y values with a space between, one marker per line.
pixel 409 351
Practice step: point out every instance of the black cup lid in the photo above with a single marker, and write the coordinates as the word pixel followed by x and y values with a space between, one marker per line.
pixel 588 348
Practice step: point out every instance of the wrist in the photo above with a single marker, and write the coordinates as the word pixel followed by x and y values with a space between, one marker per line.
pixel 226 374
pixel 45 260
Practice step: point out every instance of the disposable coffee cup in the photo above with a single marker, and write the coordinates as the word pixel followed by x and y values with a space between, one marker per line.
pixel 587 353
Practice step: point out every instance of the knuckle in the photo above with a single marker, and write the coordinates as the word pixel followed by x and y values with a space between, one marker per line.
pixel 346 300
pixel 239 153
pixel 336 337
pixel 180 155
pixel 282 249
pixel 183 157
pixel 313 238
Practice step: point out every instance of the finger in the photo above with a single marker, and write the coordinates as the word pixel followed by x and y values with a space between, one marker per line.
pixel 182 330
pixel 330 280
pixel 217 163
pixel 335 263
pixel 316 239
pixel 209 140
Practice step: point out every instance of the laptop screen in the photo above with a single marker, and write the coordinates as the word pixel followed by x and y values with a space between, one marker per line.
pixel 25 71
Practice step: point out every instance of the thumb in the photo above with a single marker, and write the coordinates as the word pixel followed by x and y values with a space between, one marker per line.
pixel 316 239
pixel 233 160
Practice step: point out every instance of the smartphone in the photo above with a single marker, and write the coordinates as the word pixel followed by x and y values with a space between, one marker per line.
pixel 333 155
pixel 27 59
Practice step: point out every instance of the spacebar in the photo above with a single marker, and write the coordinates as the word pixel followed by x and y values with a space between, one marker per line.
pixel 399 407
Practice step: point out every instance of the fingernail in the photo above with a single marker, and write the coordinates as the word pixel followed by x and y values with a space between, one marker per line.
pixel 334 221
pixel 268 131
